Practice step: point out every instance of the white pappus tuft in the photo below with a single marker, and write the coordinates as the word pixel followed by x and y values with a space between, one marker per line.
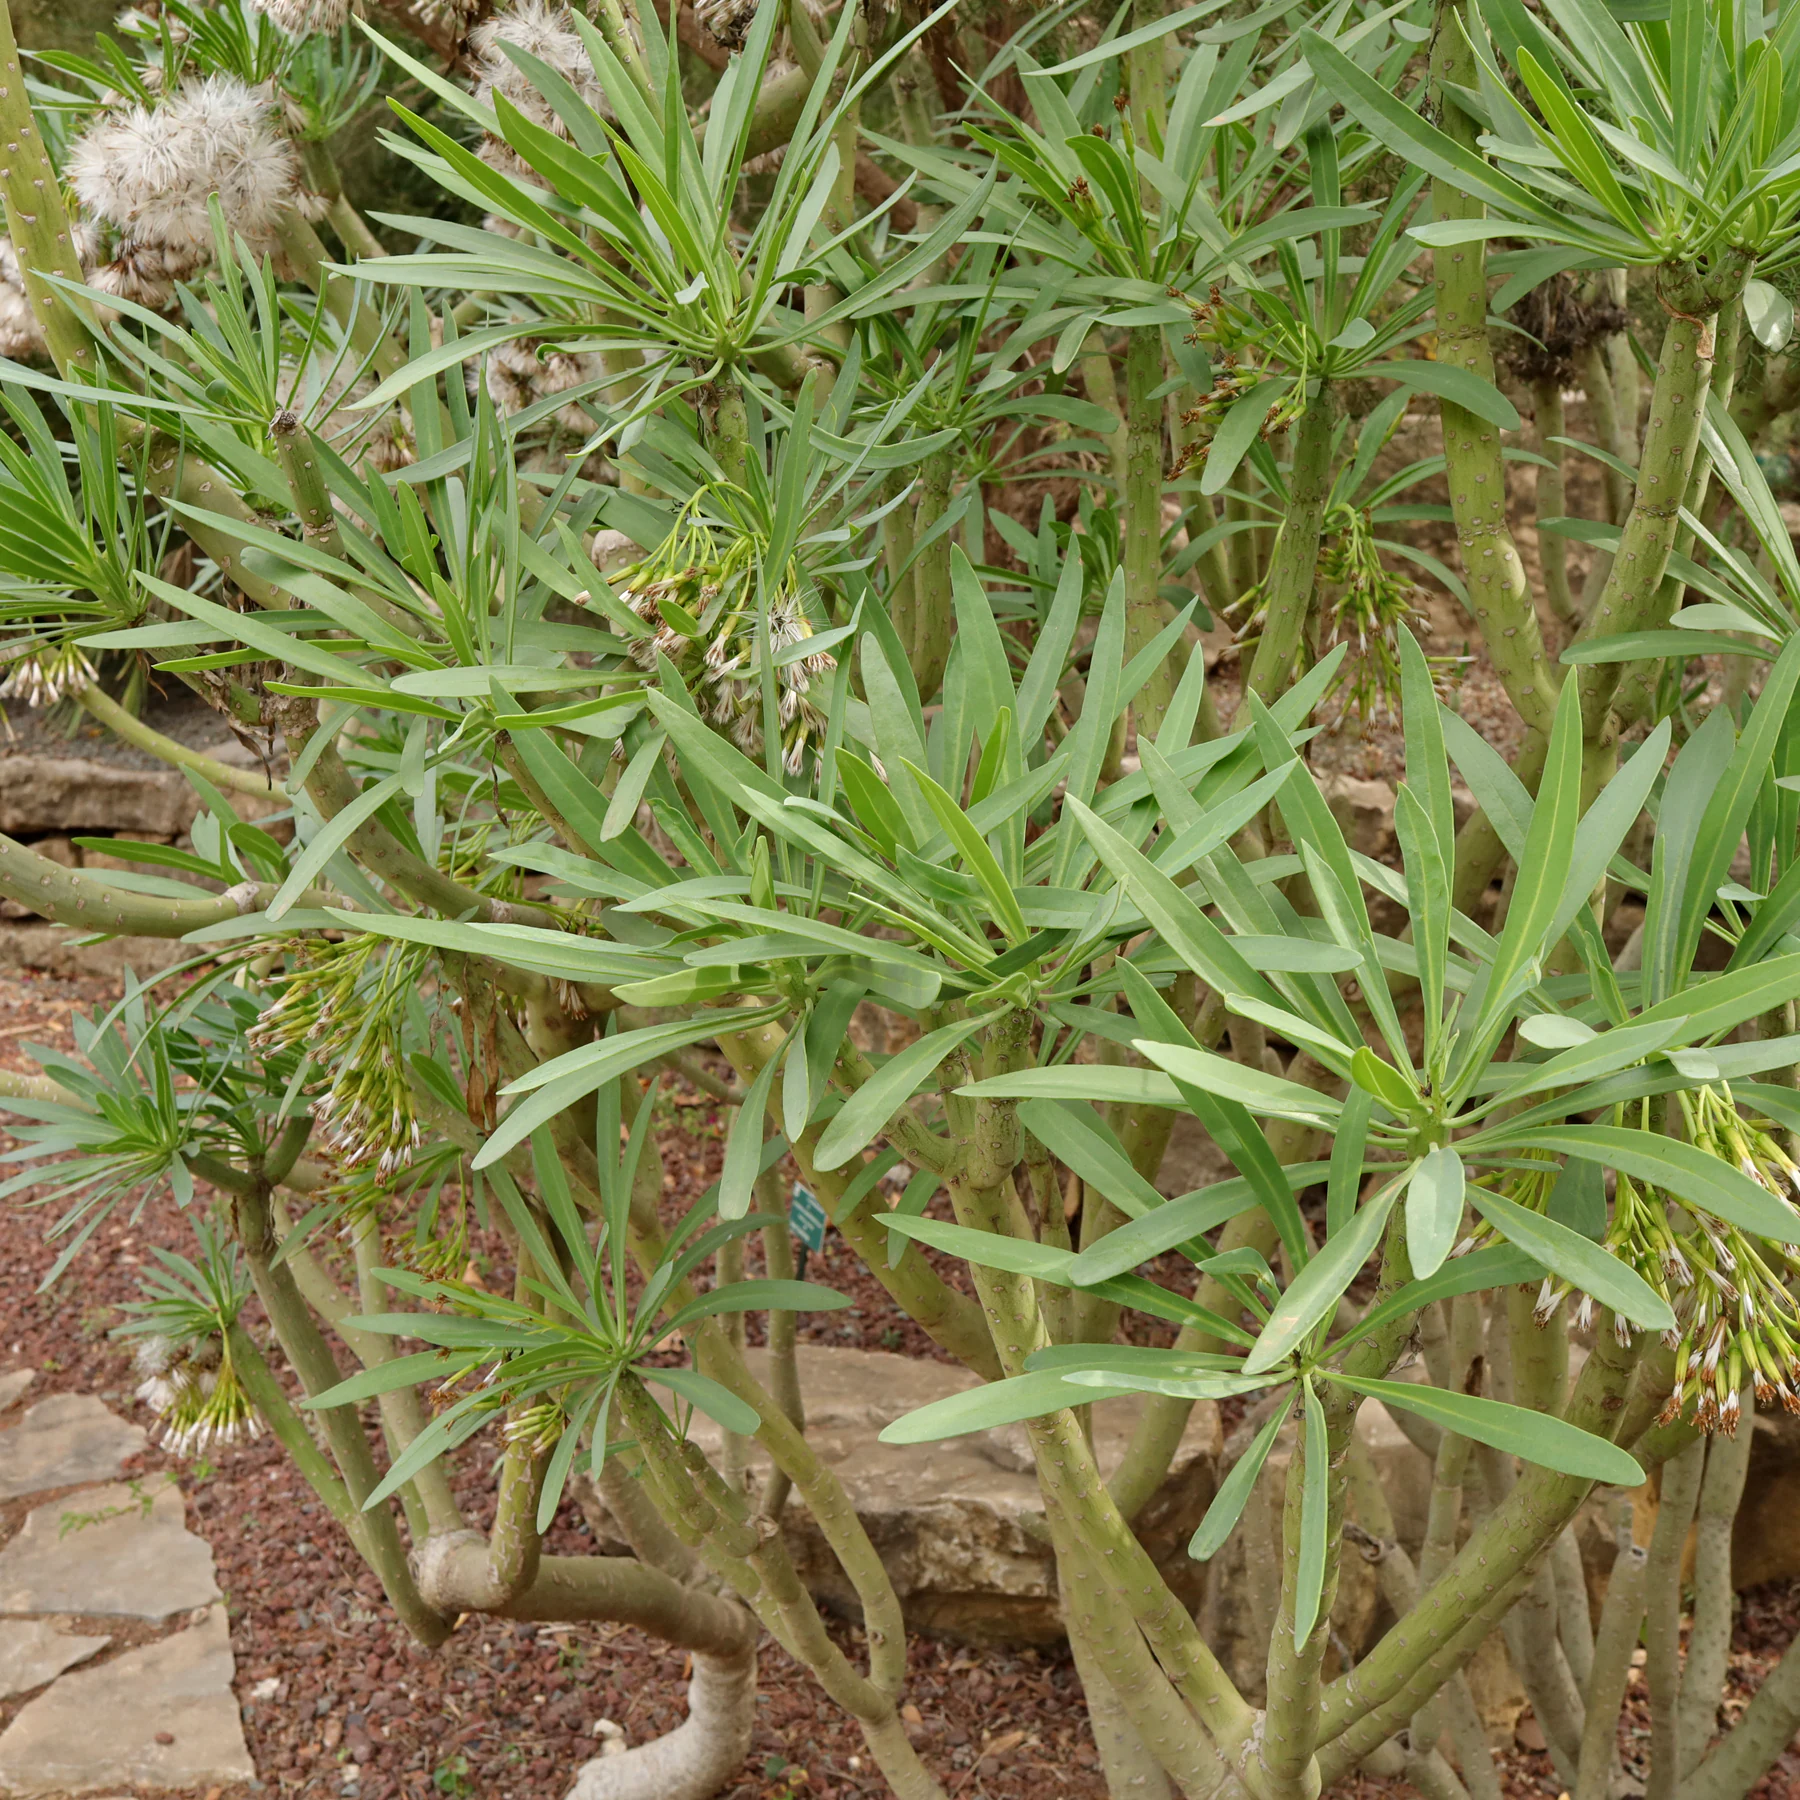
pixel 149 172
pixel 547 32
pixel 521 372
pixel 302 18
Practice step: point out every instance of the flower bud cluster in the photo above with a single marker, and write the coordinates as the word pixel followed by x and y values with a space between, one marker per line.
pixel 191 1386
pixel 1366 604
pixel 43 675
pixel 344 1006
pixel 1738 1319
pixel 702 606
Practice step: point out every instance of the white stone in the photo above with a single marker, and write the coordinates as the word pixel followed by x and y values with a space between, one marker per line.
pixel 98 1728
pixel 121 1550
pixel 33 1651
pixel 14 1384
pixel 62 1442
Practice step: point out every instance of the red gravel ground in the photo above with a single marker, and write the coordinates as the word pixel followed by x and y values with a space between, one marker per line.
pixel 507 1712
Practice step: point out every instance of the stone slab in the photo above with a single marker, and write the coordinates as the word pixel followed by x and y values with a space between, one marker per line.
pixel 63 1441
pixel 75 794
pixel 123 1551
pixel 958 1525
pixel 61 950
pixel 14 1385
pixel 33 1651
pixel 100 1729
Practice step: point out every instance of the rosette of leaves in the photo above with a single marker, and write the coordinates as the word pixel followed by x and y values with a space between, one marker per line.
pixel 552 1358
pixel 1592 1050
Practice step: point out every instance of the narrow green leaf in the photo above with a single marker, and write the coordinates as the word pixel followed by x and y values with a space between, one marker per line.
pixel 1316 1290
pixel 1539 1438
pixel 1235 1491
pixel 743 1145
pixel 994 1403
pixel 1690 1174
pixel 867 1110
pixel 1315 1518
pixel 1581 1263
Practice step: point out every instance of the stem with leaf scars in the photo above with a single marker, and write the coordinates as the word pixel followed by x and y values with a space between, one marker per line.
pixel 311 1358
pixel 126 724
pixel 403 1413
pixel 1609 428
pixel 1102 1544
pixel 1293 580
pixel 37 221
pixel 1620 1620
pixel 1140 516
pixel 1553 547
pixel 1289 1738
pixel 1455 1615
pixel 69 897
pixel 929 648
pixel 1634 588
pixel 1709 1638
pixel 1662 1615
pixel 1498 595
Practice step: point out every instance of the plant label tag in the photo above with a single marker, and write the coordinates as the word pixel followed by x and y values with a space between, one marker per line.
pixel 806 1218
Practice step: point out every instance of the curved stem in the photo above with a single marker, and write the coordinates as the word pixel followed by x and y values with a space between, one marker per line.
pixel 127 725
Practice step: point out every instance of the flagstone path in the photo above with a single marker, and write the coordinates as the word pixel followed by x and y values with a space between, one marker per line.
pixel 111 1621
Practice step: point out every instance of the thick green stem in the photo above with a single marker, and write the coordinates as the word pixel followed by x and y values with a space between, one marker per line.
pixel 1162 1419
pixel 72 898
pixel 1609 429
pixel 127 725
pixel 929 647
pixel 1454 1616
pixel 1290 1730
pixel 1662 1616
pixel 1553 548
pixel 784 1368
pixel 1498 595
pixel 1140 519
pixel 729 434
pixel 1709 1638
pixel 1634 589
pixel 310 1357
pixel 36 219
pixel 1620 1619
pixel 1293 571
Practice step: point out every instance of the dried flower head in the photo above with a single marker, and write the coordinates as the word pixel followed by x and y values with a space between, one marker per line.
pixel 149 172
pixel 729 21
pixel 302 18
pixel 523 372
pixel 547 32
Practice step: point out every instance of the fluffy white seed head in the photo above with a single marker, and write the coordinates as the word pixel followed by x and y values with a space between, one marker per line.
pixel 520 373
pixel 301 18
pixel 149 172
pixel 547 32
